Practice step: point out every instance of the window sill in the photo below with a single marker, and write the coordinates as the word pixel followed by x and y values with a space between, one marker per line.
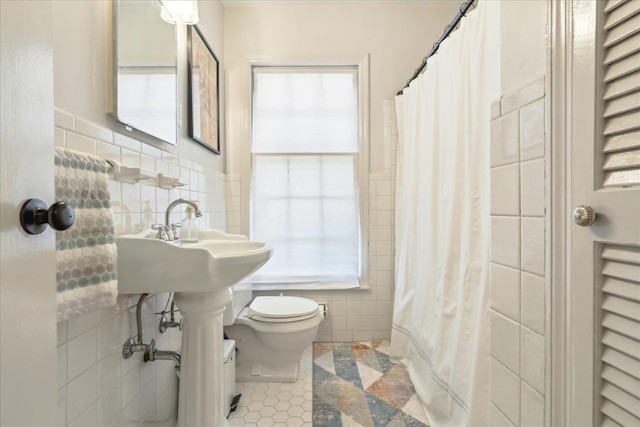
pixel 348 285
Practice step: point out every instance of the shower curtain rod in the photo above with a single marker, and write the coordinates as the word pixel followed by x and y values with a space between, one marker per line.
pixel 447 31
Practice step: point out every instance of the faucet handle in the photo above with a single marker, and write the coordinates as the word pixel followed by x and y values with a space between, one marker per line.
pixel 174 231
pixel 162 231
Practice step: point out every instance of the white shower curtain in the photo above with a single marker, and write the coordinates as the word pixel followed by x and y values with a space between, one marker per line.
pixel 441 312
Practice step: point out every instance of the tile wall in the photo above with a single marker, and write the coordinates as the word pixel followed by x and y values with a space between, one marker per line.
pixel 96 386
pixel 518 258
pixel 364 314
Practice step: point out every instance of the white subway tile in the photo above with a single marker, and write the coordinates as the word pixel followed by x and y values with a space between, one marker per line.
pixel 108 371
pixel 170 157
pixel 81 324
pixel 131 201
pixel 62 331
pixel 59 137
pixel 505 140
pixel 533 249
pixel 505 190
pixel 109 409
pixel 130 158
pixel 531 92
pixel 162 167
pixel 532 361
pixel 62 407
pixel 130 385
pixel 496 109
pixel 505 391
pixel 89 418
pixel 148 398
pixel 93 131
pixel 81 394
pixel 532 407
pixel 505 341
pixel 505 241
pixel 116 195
pixel 532 130
pixel 82 353
pixel 80 143
pixel 533 302
pixel 167 405
pixel 131 413
pixel 62 365
pixel 107 151
pixel 148 163
pixel 64 120
pixel 151 151
pixel 505 291
pixel 126 142
pixel 533 184
pixel 186 163
pixel 498 419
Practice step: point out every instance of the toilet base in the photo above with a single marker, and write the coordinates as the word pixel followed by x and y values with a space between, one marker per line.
pixel 267 372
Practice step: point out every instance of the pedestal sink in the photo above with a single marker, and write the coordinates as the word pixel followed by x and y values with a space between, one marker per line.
pixel 201 275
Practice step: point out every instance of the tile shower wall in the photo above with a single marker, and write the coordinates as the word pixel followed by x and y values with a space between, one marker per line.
pixel 357 315
pixel 96 386
pixel 518 258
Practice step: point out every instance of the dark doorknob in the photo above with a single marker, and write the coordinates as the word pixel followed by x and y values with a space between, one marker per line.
pixel 34 216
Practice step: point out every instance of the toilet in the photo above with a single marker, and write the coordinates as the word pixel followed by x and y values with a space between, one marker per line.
pixel 271 335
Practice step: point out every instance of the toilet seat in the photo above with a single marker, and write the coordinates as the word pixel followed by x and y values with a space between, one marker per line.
pixel 282 309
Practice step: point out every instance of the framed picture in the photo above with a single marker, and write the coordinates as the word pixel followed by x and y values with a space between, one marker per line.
pixel 204 115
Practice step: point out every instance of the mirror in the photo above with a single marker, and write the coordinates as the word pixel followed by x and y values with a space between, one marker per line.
pixel 145 68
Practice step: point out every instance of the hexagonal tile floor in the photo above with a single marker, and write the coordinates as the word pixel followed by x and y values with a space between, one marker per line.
pixel 276 404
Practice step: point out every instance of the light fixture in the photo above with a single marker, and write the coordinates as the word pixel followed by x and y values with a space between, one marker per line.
pixel 180 11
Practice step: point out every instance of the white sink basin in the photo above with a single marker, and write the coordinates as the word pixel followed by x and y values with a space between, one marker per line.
pixel 216 261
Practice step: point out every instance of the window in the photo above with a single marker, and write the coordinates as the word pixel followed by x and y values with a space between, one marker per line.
pixel 306 174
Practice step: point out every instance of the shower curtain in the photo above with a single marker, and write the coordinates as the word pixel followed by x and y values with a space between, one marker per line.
pixel 440 326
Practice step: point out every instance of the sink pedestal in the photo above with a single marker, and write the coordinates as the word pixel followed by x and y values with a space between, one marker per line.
pixel 201 398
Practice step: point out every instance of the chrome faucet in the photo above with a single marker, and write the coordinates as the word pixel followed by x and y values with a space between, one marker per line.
pixel 168 231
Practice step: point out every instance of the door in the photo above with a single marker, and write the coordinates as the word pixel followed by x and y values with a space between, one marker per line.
pixel 27 266
pixel 603 356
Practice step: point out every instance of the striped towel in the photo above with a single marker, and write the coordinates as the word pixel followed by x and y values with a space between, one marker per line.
pixel 86 255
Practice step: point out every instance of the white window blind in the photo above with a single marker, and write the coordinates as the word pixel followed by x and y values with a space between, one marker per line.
pixel 304 190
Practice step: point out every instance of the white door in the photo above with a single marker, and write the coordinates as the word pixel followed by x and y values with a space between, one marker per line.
pixel 27 266
pixel 604 262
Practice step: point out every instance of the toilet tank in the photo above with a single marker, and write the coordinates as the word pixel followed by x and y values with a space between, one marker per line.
pixel 242 295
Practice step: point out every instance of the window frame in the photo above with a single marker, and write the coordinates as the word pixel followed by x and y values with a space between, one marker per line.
pixel 362 71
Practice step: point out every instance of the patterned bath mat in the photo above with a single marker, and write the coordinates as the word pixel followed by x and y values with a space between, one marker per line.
pixel 355 384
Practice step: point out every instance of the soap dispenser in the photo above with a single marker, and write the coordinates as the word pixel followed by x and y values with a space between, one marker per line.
pixel 189 227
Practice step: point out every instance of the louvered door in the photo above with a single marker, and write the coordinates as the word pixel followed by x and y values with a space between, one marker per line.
pixel 604 265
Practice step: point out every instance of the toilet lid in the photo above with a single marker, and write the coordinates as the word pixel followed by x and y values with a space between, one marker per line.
pixel 282 307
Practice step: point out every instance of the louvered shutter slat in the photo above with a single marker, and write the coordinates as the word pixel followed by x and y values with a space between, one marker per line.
pixel 625 11
pixel 623 104
pixel 619 415
pixel 626 401
pixel 621 32
pixel 621 380
pixel 621 325
pixel 621 68
pixel 612 4
pixel 620 336
pixel 622 49
pixel 621 288
pixel 622 362
pixel 621 94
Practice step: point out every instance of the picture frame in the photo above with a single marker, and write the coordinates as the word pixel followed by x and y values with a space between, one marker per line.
pixel 204 96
